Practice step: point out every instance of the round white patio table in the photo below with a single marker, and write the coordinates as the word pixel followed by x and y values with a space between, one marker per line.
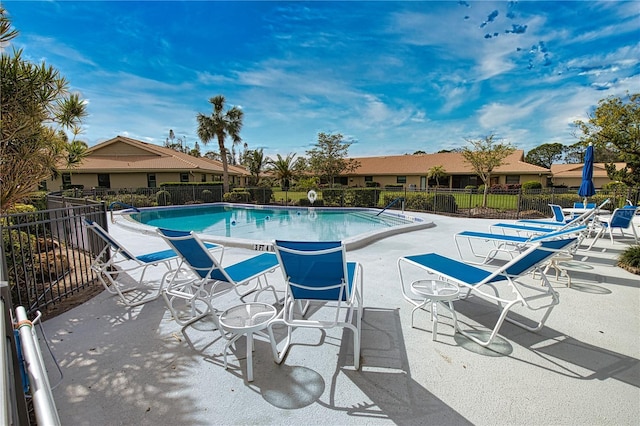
pixel 246 319
pixel 435 292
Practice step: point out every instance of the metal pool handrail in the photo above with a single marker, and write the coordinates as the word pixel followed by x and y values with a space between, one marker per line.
pixel 390 204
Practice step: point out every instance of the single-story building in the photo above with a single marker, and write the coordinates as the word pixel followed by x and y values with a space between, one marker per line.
pixel 411 171
pixel 570 175
pixel 123 162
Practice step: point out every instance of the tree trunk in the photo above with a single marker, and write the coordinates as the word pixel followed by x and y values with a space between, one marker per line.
pixel 225 166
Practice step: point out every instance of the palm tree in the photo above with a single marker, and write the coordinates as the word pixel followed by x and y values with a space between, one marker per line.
pixel 436 172
pixel 255 163
pixel 221 124
pixel 284 169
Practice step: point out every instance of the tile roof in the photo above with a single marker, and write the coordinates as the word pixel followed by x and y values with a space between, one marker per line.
pixel 122 153
pixel 575 170
pixel 452 162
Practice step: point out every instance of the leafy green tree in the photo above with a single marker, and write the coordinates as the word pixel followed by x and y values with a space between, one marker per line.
pixel 545 155
pixel 220 125
pixel 484 156
pixel 36 109
pixel 574 154
pixel 614 125
pixel 437 173
pixel 328 158
pixel 285 169
pixel 255 163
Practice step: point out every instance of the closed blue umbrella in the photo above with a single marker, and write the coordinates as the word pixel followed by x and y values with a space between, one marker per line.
pixel 586 186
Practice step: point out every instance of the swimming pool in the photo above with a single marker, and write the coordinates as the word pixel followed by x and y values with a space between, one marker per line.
pixel 251 225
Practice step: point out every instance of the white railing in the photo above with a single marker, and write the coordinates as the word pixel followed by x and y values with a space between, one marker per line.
pixel 39 387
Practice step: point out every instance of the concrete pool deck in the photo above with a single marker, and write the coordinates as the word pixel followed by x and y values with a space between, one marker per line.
pixel 133 365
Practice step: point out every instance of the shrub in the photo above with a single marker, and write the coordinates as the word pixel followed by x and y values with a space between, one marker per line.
pixel 471 187
pixel 332 197
pixel 445 203
pixel 19 249
pixel 372 184
pixel 207 196
pixel 163 198
pixel 532 184
pixel 261 195
pixel 364 197
pixel 630 259
pixel 236 197
pixel 614 186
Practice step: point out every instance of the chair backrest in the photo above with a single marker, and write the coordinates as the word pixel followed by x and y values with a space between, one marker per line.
pixel 582 206
pixel 194 254
pixel 106 237
pixel 536 255
pixel 563 232
pixel 558 214
pixel 314 270
pixel 621 218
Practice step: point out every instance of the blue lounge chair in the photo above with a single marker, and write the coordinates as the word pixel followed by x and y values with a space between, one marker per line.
pixel 504 286
pixel 200 277
pixel 536 227
pixel 317 272
pixel 510 244
pixel 114 259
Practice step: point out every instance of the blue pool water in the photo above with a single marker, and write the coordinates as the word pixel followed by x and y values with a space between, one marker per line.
pixel 269 223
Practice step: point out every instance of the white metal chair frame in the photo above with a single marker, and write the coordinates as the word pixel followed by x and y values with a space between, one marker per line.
pixel 351 300
pixel 114 259
pixel 193 284
pixel 474 280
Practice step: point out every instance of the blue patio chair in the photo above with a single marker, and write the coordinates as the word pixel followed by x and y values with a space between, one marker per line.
pixel 200 277
pixel 579 205
pixel 621 219
pixel 114 259
pixel 317 272
pixel 504 285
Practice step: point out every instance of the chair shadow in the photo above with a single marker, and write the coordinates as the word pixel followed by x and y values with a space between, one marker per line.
pixel 561 353
pixel 385 378
pixel 589 278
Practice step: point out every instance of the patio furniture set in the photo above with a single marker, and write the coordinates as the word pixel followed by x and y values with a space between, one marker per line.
pixel 319 274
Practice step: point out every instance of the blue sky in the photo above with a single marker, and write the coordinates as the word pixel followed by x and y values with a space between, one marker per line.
pixel 392 77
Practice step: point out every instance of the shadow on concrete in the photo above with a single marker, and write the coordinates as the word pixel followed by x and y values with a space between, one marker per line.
pixel 558 352
pixel 385 378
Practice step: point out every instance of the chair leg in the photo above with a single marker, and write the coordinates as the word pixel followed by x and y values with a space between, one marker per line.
pixel 279 356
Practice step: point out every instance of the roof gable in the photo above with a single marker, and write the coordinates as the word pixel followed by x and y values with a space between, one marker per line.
pixel 123 147
pixel 122 154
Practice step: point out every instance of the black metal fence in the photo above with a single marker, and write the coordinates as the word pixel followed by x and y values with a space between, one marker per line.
pixel 501 203
pixel 48 253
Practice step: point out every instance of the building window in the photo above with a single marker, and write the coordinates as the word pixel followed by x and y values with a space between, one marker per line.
pixel 368 178
pixel 203 178
pixel 512 179
pixel 401 179
pixel 66 180
pixel 151 180
pixel 103 180
pixel 184 177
